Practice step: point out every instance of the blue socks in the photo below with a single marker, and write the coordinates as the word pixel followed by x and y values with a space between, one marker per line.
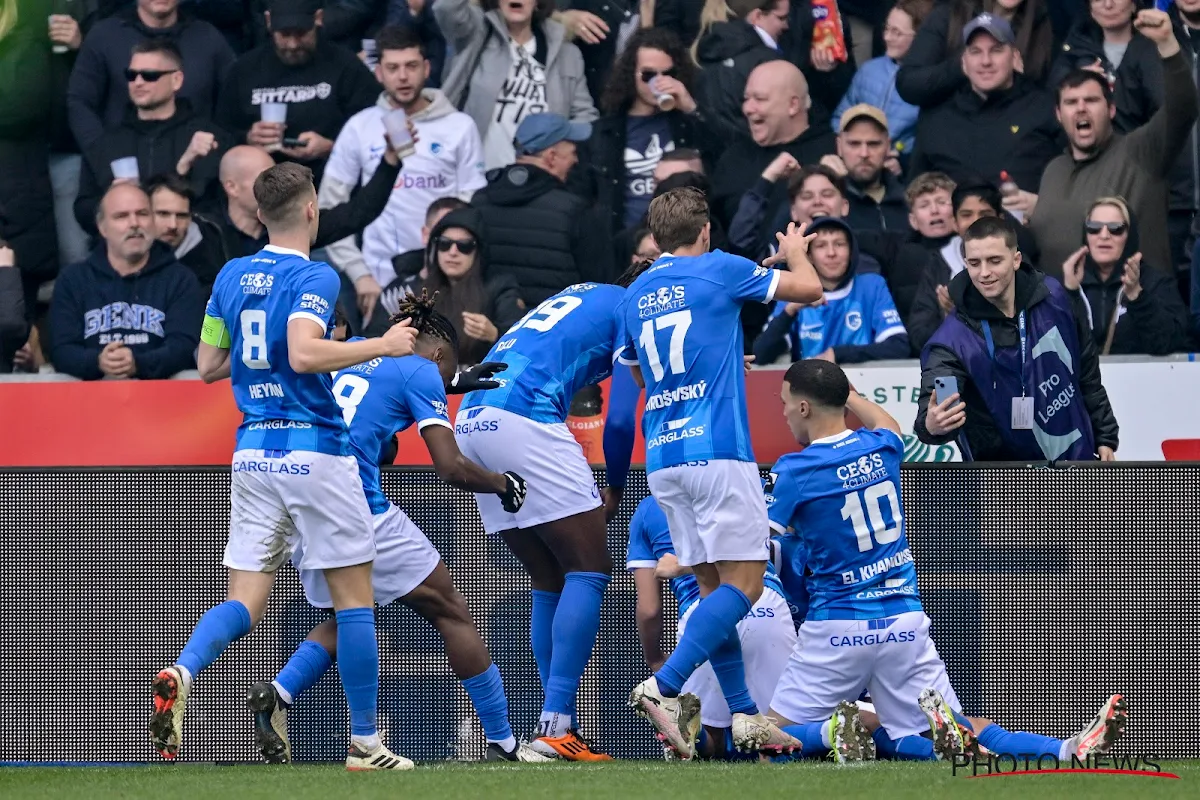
pixel 999 741
pixel 809 734
pixel 710 625
pixel 486 691
pixel 576 623
pixel 358 665
pixel 731 675
pixel 219 626
pixel 906 748
pixel 303 670
pixel 541 626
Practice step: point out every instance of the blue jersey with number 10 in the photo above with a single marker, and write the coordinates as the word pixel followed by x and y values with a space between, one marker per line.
pixel 256 297
pixel 841 495
pixel 683 318
pixel 563 345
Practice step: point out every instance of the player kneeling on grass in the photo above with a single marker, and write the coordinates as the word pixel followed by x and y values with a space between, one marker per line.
pixel 865 627
pixel 378 400
pixel 767 633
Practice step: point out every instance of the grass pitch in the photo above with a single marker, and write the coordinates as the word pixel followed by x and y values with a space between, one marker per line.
pixel 626 780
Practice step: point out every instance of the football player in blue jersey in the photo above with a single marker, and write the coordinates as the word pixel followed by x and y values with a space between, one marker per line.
pixel 559 535
pixel 295 482
pixel 379 399
pixel 865 627
pixel 683 341
pixel 766 632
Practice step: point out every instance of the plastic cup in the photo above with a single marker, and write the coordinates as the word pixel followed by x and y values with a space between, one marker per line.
pixel 274 112
pixel 125 169
pixel 395 122
pixel 372 57
pixel 665 101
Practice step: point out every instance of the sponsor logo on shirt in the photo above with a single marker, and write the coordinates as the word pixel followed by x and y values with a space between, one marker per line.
pixel 674 431
pixel 124 317
pixel 891 637
pixel 314 303
pixel 410 181
pixel 278 425
pixel 290 94
pixel 667 397
pixel 664 299
pixel 862 471
pixel 272 467
pixel 257 283
pixel 479 426
pixel 853 320
pixel 441 409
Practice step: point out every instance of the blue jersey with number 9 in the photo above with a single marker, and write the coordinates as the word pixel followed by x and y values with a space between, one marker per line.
pixel 841 495
pixel 256 297
pixel 683 328
pixel 563 345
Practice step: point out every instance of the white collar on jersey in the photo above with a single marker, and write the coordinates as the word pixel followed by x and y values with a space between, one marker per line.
pixel 284 251
pixel 840 294
pixel 837 437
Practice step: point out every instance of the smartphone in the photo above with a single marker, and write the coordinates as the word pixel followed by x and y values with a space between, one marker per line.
pixel 945 387
pixel 292 141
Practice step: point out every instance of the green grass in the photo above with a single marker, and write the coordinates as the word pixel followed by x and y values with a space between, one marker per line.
pixel 624 780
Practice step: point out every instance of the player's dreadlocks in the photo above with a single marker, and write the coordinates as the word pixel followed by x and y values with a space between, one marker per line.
pixel 630 275
pixel 427 321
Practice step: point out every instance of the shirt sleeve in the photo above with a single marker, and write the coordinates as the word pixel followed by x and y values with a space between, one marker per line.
pixel 746 281
pixel 783 498
pixel 885 319
pixel 892 441
pixel 212 308
pixel 639 554
pixel 316 296
pixel 425 395
pixel 625 351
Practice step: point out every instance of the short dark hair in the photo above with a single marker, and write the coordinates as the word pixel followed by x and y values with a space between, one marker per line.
pixel 278 189
pixel 821 381
pixel 443 205
pixel 742 8
pixel 991 228
pixel 677 217
pixel 682 154
pixel 398 37
pixel 172 183
pixel 161 46
pixel 797 181
pixel 1078 77
pixel 984 191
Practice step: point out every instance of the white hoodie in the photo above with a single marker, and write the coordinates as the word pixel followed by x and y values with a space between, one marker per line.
pixel 448 161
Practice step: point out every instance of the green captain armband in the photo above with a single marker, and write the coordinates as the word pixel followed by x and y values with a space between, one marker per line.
pixel 214 332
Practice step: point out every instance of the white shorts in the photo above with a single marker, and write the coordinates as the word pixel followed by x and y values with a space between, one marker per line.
pixel 716 510
pixel 545 454
pixel 298 499
pixel 768 636
pixel 893 658
pixel 404 558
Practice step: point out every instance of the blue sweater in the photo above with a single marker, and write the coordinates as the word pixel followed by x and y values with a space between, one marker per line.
pixel 875 84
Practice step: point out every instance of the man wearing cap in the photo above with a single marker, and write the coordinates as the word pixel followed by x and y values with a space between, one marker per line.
pixel 999 122
pixel 543 235
pixel 321 84
pixel 875 194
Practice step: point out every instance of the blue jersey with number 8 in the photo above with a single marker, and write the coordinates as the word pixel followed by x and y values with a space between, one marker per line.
pixel 563 345
pixel 683 321
pixel 256 297
pixel 841 495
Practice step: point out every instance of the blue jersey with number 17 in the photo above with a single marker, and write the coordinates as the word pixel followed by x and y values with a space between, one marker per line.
pixel 256 297
pixel 841 495
pixel 683 319
pixel 563 345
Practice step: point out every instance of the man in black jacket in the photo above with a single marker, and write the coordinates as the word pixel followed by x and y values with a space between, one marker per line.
pixel 1019 372
pixel 160 130
pixel 1000 122
pixel 542 234
pixel 876 196
pixel 729 53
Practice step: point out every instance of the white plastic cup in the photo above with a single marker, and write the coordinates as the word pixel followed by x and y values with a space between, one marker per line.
pixel 125 168
pixel 395 122
pixel 56 48
pixel 372 57
pixel 274 112
pixel 666 102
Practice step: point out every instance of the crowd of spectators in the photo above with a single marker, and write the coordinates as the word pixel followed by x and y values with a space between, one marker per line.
pixel 134 131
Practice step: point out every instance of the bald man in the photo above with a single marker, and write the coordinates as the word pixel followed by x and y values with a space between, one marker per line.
pixel 104 325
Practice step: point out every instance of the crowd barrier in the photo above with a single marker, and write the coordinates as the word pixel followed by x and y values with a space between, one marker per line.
pixel 1049 589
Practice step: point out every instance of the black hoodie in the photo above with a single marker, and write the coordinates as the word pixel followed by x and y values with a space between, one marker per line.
pixel 156 311
pixel 1155 324
pixel 728 53
pixel 542 234
pixel 980 429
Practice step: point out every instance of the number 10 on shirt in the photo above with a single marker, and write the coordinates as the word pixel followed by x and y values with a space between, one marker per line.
pixel 677 322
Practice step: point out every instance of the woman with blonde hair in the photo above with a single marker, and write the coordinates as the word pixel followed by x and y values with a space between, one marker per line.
pixel 1131 308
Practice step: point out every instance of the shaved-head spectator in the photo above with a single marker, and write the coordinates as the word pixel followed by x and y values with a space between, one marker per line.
pixel 776 108
pixel 131 310
pixel 99 91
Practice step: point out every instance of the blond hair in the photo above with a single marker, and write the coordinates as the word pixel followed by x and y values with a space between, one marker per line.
pixel 714 11
pixel 1116 202
pixel 8 17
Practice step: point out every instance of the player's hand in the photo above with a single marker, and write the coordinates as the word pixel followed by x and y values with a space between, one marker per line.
pixel 948 415
pixel 398 339
pixel 1131 279
pixel 944 301
pixel 1072 269
pixel 611 496
pixel 792 309
pixel 1106 453
pixel 791 243
pixel 513 497
pixel 782 167
pixel 476 378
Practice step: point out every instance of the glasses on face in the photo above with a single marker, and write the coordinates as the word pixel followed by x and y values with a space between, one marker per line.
pixel 648 75
pixel 465 246
pixel 1114 228
pixel 148 75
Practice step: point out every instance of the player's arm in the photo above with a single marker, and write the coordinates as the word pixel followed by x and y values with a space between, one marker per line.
pixel 872 415
pixel 455 468
pixel 648 612
pixel 310 352
pixel 212 357
pixel 669 567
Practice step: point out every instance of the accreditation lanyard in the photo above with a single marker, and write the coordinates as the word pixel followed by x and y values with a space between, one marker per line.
pixel 991 347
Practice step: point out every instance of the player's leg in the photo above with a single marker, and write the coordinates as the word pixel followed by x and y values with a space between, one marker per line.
pixel 546 580
pixel 270 700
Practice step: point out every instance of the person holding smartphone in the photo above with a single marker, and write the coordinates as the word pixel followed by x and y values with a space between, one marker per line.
pixel 1013 373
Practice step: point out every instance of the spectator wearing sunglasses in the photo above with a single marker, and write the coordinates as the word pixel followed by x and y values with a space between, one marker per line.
pixel 97 94
pixel 160 129
pixel 481 305
pixel 1131 308
pixel 635 133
